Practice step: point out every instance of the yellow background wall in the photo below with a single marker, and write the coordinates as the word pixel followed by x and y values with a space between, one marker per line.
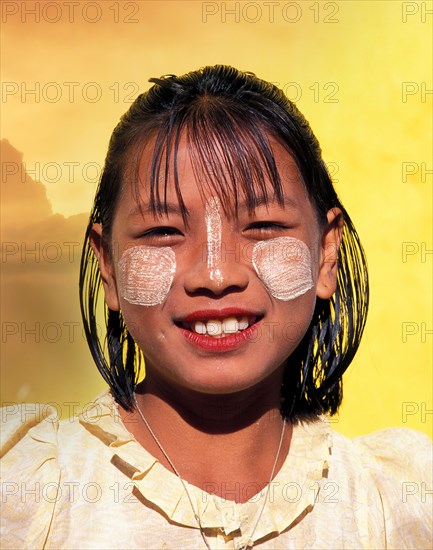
pixel 359 71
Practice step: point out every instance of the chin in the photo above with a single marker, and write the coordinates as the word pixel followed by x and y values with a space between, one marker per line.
pixel 225 383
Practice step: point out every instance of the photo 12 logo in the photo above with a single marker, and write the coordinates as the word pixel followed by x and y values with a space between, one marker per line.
pixel 70 12
pixel 270 12
pixel 68 92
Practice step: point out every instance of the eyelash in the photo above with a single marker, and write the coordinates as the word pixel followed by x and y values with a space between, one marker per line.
pixel 161 232
pixel 265 227
pixel 165 232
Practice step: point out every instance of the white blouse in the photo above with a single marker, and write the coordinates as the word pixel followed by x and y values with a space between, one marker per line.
pixel 87 483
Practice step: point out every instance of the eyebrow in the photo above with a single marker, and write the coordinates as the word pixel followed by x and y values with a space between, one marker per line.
pixel 159 208
pixel 173 208
pixel 287 202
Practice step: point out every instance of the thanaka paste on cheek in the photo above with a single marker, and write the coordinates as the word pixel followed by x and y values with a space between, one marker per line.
pixel 214 232
pixel 146 274
pixel 284 266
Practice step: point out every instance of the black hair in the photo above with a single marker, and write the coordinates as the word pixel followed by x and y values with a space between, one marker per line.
pixel 228 117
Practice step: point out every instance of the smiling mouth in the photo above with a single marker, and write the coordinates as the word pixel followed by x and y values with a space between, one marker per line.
pixel 219 328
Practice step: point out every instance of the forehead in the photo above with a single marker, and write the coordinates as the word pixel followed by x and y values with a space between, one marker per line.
pixel 236 172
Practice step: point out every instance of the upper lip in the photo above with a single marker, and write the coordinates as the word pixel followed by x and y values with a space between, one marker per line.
pixel 210 314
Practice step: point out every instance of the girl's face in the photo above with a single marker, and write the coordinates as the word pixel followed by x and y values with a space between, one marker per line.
pixel 217 304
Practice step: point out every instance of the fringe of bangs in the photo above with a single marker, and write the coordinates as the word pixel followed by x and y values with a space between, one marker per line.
pixel 228 160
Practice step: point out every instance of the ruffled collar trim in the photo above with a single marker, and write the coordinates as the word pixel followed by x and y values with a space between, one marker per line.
pixel 292 493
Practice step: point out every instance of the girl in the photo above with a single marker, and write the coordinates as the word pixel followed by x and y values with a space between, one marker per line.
pixel 231 269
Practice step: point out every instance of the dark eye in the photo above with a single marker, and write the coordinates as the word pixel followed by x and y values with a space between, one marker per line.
pixel 162 232
pixel 265 227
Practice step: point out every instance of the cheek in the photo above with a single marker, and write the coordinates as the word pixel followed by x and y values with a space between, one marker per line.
pixel 146 274
pixel 284 265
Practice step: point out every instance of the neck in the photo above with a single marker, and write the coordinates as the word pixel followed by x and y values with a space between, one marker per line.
pixel 220 443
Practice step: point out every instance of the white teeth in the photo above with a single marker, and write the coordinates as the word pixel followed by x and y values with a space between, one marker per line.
pixel 199 327
pixel 243 323
pixel 218 328
pixel 214 327
pixel 231 325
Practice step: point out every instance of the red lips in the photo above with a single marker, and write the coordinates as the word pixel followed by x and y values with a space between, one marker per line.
pixel 226 342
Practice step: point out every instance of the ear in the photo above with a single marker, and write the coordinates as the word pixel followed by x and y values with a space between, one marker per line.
pixel 331 238
pixel 104 257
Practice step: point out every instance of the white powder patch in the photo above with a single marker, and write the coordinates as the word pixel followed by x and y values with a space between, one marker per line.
pixel 214 232
pixel 284 266
pixel 146 274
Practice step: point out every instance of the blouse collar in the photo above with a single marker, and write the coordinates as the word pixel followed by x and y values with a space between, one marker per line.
pixel 291 495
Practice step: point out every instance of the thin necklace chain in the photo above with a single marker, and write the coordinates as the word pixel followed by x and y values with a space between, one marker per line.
pixel 250 542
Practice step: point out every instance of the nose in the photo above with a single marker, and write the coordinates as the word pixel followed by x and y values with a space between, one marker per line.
pixel 216 271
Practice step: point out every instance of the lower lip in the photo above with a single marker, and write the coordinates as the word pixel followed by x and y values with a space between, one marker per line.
pixel 224 344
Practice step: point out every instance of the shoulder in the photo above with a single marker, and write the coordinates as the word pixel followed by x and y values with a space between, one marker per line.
pixel 394 454
pixel 20 423
pixel 396 464
pixel 397 450
pixel 393 449
pixel 38 453
pixel 401 463
pixel 35 430
pixel 29 472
